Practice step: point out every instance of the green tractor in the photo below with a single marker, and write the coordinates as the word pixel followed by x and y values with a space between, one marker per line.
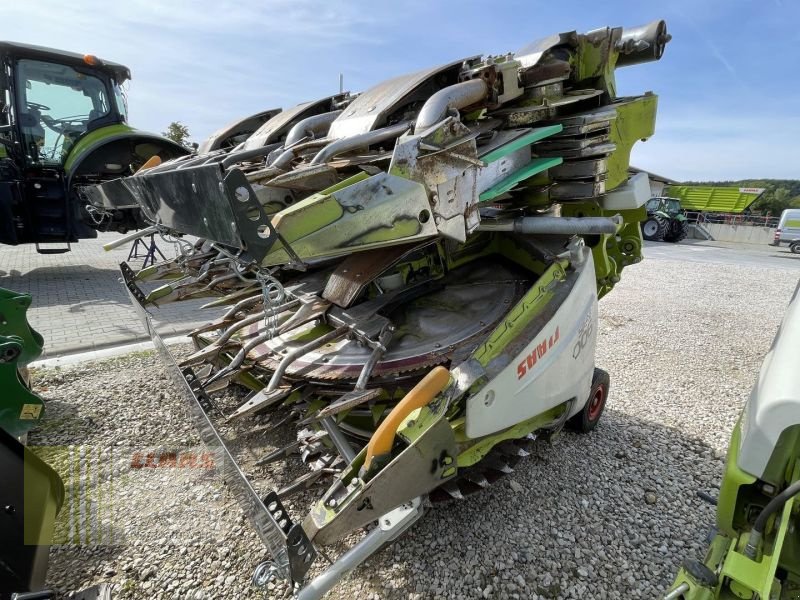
pixel 666 221
pixel 63 126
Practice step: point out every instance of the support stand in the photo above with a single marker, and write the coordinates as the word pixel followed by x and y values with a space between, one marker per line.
pixel 150 250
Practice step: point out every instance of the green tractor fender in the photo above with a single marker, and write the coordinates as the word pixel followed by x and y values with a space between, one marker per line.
pixel 117 146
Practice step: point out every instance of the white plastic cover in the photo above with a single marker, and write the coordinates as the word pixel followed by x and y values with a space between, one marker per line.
pixel 774 403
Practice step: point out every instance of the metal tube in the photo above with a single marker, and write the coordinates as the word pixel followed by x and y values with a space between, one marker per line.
pixel 338 439
pixel 359 141
pixel 235 157
pixel 298 352
pixel 384 338
pixel 130 237
pixel 458 95
pixel 310 125
pixel 390 526
pixel 677 592
pixel 555 225
pixel 282 160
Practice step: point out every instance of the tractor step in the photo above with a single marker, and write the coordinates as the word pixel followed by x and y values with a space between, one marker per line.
pixel 60 250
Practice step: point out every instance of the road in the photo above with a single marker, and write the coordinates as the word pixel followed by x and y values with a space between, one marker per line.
pixel 704 252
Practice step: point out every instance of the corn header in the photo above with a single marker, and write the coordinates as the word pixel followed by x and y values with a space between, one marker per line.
pixel 411 277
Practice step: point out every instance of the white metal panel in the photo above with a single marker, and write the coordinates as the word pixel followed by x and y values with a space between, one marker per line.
pixel 556 366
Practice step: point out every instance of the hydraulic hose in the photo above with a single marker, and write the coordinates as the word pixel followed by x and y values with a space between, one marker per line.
pixel 774 505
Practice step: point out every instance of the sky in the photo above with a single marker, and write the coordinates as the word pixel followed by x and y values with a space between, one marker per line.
pixel 728 83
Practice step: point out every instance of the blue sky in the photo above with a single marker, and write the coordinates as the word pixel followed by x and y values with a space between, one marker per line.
pixel 728 87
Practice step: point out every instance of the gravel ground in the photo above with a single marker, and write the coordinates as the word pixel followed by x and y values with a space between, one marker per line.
pixel 607 515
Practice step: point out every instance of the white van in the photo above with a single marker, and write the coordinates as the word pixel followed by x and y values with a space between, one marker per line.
pixel 788 227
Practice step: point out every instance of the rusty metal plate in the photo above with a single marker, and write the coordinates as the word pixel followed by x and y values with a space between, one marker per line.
pixel 354 273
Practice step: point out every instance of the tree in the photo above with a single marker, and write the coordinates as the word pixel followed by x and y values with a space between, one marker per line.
pixel 178 133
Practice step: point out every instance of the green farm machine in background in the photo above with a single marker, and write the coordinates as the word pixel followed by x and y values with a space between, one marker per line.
pixel 63 125
pixel 754 551
pixel 666 221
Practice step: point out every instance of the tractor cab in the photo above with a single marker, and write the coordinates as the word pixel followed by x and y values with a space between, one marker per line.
pixel 668 206
pixel 63 125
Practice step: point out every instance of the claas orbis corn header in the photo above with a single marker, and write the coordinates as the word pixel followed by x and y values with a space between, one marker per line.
pixel 411 277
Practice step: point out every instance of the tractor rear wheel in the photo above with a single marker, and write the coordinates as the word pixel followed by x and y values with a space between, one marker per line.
pixel 676 231
pixel 586 420
pixel 654 228
pixel 795 247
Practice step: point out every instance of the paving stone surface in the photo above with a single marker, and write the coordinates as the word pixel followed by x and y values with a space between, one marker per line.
pixel 79 301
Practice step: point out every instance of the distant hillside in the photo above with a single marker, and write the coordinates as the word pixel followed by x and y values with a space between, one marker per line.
pixel 780 194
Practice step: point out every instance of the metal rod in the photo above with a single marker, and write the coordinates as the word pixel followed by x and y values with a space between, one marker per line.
pixel 338 439
pixel 677 592
pixel 377 352
pixel 359 141
pixel 554 225
pixel 241 155
pixel 298 352
pixel 130 237
pixel 390 526
pixel 456 96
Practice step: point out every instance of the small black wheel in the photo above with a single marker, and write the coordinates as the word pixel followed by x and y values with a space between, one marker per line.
pixel 654 228
pixel 795 248
pixel 586 420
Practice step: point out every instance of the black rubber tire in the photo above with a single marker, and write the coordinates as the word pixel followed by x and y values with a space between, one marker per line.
pixel 676 231
pixel 586 420
pixel 795 248
pixel 660 231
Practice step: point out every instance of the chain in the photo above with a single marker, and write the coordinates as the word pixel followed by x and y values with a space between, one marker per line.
pixel 97 214
pixel 274 294
pixel 183 248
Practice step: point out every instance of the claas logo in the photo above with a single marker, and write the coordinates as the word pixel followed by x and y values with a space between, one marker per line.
pixel 539 350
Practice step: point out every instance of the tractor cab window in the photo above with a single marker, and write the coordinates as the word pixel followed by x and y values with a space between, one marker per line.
pixel 122 101
pixel 652 204
pixel 672 205
pixel 57 106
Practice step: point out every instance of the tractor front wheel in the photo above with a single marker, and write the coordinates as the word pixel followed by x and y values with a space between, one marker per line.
pixel 654 228
pixel 677 231
pixel 795 247
pixel 586 420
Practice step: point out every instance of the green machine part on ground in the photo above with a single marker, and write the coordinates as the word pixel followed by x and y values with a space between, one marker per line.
pixel 755 548
pixel 20 344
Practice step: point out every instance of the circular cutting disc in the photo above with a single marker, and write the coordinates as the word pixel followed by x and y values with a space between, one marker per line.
pixel 428 330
